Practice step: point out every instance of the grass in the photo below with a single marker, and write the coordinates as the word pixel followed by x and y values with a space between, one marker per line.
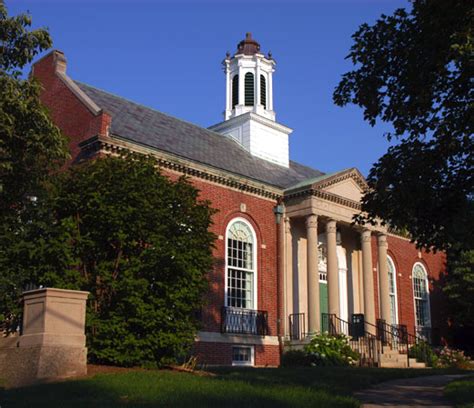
pixel 322 387
pixel 461 392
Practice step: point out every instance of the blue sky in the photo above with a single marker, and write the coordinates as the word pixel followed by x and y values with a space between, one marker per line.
pixel 167 55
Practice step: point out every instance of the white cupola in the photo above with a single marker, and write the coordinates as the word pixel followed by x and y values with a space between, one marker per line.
pixel 249 117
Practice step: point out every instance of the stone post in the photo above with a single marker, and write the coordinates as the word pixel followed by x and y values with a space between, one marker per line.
pixel 368 278
pixel 383 278
pixel 332 268
pixel 314 312
pixel 53 332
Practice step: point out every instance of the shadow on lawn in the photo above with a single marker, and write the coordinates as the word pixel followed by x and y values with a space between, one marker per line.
pixel 161 389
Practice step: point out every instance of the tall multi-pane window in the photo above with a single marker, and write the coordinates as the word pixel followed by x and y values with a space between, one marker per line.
pixel 421 295
pixel 235 91
pixel 392 290
pixel 249 89
pixel 240 265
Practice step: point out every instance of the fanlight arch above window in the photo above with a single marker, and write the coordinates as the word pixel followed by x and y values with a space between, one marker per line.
pixel 240 231
pixel 249 89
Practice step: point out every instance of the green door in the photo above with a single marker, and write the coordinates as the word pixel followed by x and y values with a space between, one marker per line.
pixel 323 303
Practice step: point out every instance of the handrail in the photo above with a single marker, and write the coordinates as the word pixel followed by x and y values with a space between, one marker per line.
pixel 297 326
pixel 367 345
pixel 397 337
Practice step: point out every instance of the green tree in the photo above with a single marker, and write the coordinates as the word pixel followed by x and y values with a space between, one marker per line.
pixel 413 69
pixel 142 247
pixel 31 147
pixel 459 287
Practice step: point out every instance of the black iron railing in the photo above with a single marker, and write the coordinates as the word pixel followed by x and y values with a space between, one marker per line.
pixel 297 326
pixel 363 342
pixel 244 321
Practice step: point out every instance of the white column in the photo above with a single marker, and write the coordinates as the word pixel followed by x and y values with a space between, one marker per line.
pixel 382 246
pixel 369 295
pixel 314 311
pixel 332 268
pixel 228 87
pixel 257 84
pixel 270 90
pixel 241 86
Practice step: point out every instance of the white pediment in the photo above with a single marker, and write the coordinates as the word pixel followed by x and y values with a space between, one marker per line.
pixel 347 188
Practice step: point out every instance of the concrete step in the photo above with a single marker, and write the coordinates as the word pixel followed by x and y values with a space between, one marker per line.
pixel 393 364
pixel 416 364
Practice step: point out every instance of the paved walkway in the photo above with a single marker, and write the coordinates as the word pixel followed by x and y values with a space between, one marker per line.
pixel 411 392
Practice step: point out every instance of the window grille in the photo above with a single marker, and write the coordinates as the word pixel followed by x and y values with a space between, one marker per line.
pixel 240 266
pixel 263 91
pixel 249 89
pixel 235 91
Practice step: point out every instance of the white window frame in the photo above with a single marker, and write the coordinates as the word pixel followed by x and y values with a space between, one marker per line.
pixel 244 363
pixel 428 305
pixel 254 261
pixel 390 261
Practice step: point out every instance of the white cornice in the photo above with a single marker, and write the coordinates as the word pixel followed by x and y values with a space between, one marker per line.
pixel 239 120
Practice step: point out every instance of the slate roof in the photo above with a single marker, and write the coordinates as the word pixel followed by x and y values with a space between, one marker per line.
pixel 151 128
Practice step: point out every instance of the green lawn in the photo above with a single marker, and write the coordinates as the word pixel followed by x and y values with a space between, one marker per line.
pixel 321 387
pixel 461 392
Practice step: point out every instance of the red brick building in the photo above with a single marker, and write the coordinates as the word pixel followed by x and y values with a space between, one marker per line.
pixel 287 253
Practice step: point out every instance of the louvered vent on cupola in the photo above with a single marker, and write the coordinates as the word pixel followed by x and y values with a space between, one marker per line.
pixel 263 91
pixel 235 91
pixel 249 89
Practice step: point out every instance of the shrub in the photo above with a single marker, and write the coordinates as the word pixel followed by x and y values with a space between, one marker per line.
pixel 327 350
pixel 423 352
pixel 295 358
pixel 452 358
pixel 138 242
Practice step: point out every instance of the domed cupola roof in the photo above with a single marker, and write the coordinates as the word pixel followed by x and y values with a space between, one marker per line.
pixel 248 46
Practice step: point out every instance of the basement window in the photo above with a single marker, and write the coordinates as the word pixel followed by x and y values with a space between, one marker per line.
pixel 242 356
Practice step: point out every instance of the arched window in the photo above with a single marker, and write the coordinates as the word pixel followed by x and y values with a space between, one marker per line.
pixel 241 265
pixel 249 89
pixel 235 91
pixel 263 91
pixel 392 290
pixel 421 295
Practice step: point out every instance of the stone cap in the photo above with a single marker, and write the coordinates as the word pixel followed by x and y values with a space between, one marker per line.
pixel 54 292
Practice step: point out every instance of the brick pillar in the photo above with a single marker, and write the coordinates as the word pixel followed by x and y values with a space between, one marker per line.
pixel 288 274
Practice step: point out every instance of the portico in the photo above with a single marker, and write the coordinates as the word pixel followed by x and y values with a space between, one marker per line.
pixel 328 264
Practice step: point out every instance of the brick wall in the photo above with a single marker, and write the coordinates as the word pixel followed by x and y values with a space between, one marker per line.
pixel 404 255
pixel 68 112
pixel 221 354
pixel 77 121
